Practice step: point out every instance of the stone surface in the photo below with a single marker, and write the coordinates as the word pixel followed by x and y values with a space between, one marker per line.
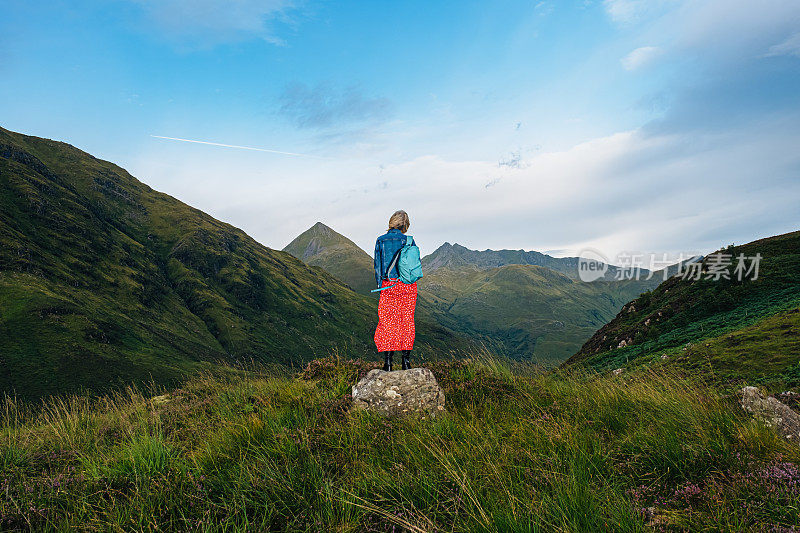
pixel 400 392
pixel 772 412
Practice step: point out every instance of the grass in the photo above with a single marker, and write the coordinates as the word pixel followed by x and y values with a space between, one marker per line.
pixel 516 451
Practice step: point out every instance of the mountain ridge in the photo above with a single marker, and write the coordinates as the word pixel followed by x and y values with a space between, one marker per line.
pixel 458 256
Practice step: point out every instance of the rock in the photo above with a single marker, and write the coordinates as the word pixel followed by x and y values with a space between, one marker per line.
pixel 772 412
pixel 399 393
pixel 617 371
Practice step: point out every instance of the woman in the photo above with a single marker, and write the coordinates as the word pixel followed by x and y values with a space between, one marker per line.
pixel 395 331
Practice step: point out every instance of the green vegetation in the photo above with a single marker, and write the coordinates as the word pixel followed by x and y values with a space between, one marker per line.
pixel 336 254
pixel 104 281
pixel 515 452
pixel 736 331
pixel 530 312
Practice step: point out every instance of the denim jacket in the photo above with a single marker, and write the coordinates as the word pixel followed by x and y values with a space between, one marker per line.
pixel 386 247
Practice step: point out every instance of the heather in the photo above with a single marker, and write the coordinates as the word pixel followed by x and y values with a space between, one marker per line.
pixel 518 450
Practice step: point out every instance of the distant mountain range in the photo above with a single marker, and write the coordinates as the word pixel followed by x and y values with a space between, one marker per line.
pixel 455 256
pixel 105 281
pixel 525 304
pixel 734 331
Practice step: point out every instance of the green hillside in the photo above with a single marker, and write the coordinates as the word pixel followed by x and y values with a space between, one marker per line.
pixel 733 331
pixel 104 281
pixel 531 312
pixel 323 247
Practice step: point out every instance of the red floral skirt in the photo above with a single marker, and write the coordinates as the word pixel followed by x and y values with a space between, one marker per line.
pixel 396 306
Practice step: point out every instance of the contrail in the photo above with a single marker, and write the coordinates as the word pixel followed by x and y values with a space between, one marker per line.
pixel 235 146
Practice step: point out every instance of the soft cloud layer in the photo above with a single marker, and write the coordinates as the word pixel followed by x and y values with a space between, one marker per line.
pixel 626 192
pixel 324 106
pixel 640 57
pixel 630 11
pixel 207 23
pixel 789 47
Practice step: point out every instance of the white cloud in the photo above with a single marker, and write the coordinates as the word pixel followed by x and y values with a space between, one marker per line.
pixel 628 191
pixel 630 11
pixel 205 23
pixel 641 57
pixel 789 47
pixel 324 106
pixel 732 30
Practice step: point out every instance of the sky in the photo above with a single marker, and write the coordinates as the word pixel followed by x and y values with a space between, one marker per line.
pixel 621 125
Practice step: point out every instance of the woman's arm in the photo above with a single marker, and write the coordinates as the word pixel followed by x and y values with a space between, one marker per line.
pixel 378 262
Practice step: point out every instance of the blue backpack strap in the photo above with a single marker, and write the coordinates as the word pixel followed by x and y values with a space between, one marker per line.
pixel 383 288
pixel 409 240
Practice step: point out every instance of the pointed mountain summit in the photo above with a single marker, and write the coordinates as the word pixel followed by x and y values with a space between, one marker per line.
pixel 322 246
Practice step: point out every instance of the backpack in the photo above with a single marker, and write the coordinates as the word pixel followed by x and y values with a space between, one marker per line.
pixel 409 265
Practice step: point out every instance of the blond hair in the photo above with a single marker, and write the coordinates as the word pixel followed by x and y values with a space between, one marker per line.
pixel 399 220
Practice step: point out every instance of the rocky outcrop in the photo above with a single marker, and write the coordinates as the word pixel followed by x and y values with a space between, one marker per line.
pixel 772 412
pixel 399 393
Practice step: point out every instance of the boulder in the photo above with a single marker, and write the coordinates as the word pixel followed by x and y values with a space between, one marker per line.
pixel 400 392
pixel 772 412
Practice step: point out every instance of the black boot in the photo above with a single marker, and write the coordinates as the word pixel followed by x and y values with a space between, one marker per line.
pixel 406 359
pixel 387 361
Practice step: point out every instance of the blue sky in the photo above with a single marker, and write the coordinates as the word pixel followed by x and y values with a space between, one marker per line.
pixel 623 125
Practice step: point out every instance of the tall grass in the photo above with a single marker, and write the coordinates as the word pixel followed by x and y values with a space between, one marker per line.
pixel 516 451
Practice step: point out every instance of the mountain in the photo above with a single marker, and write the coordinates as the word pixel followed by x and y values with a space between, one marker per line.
pixel 458 257
pixel 531 312
pixel 730 330
pixel 455 256
pixel 105 281
pixel 323 247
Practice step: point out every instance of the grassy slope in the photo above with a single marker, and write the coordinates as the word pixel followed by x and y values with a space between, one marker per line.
pixel 533 312
pixel 104 280
pixel 513 453
pixel 739 331
pixel 323 247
